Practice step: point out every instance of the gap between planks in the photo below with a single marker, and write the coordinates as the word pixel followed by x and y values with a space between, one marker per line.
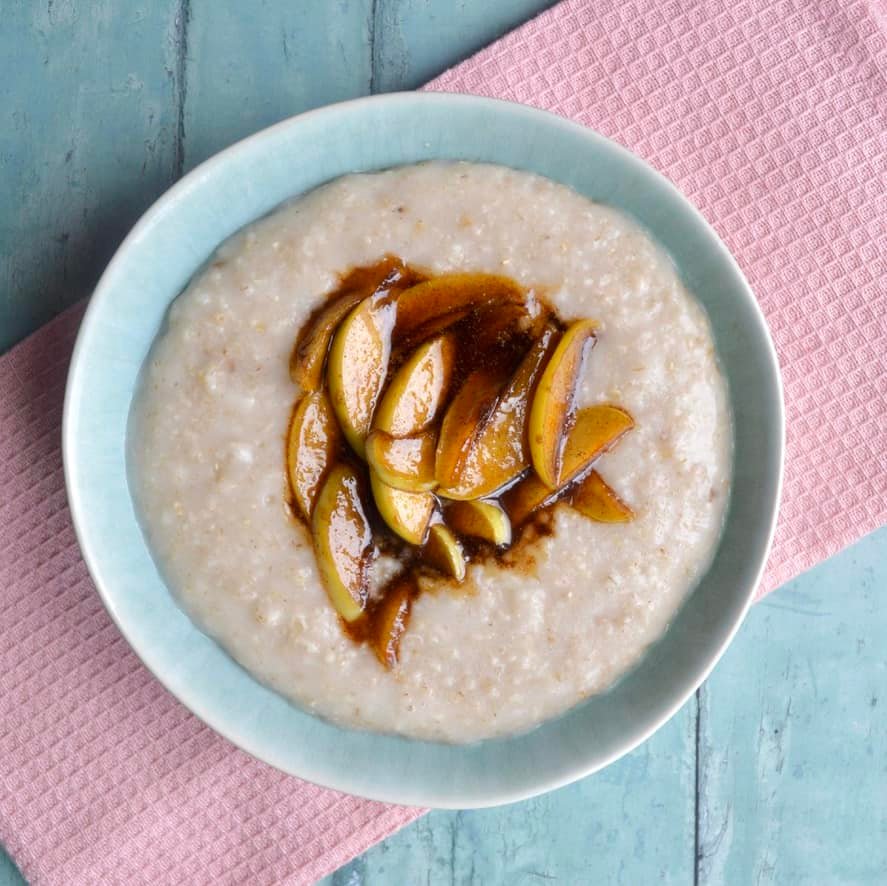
pixel 182 18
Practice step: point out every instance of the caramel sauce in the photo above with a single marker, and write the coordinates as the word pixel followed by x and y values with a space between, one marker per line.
pixel 494 324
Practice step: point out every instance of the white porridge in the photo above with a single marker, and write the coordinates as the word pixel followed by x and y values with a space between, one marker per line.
pixel 509 647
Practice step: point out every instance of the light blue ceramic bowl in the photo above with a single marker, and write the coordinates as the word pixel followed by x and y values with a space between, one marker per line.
pixel 243 183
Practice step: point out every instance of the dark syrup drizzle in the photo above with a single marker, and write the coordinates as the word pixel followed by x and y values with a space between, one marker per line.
pixel 477 348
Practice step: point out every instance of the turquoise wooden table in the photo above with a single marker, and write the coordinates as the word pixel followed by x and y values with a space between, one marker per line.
pixel 775 773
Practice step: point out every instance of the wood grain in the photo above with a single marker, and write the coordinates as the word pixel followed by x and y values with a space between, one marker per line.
pixel 792 780
pixel 247 71
pixel 87 142
pixel 105 104
pixel 793 749
pixel 631 823
pixel 415 40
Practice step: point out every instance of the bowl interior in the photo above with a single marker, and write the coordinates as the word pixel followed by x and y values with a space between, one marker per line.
pixel 243 183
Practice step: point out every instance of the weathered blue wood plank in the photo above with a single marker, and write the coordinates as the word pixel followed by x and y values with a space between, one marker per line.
pixel 793 747
pixel 87 142
pixel 9 873
pixel 416 40
pixel 91 95
pixel 805 805
pixel 249 68
pixel 631 823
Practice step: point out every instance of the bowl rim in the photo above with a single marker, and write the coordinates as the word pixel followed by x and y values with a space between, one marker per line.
pixel 103 292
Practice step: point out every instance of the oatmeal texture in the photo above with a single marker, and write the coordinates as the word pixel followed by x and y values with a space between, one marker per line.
pixel 511 647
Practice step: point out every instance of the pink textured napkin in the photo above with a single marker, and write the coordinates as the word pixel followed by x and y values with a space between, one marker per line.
pixel 772 118
pixel 104 777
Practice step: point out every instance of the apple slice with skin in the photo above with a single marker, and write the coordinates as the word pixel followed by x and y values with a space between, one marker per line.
pixel 554 403
pixel 405 463
pixel 343 541
pixel 309 354
pixel 408 514
pixel 452 295
pixel 527 497
pixel 462 422
pixel 594 498
pixel 388 273
pixel 443 551
pixel 418 389
pixel 391 618
pixel 358 365
pixel 313 442
pixel 434 327
pixel 597 429
pixel 482 327
pixel 480 519
pixel 499 451
pixel 485 327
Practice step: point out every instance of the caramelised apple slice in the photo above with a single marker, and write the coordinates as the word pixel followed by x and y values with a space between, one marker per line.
pixel 526 497
pixel 312 345
pixel 358 364
pixel 463 421
pixel 480 519
pixel 309 354
pixel 418 389
pixel 407 513
pixel 451 295
pixel 405 463
pixel 443 551
pixel 390 619
pixel 385 274
pixel 594 498
pixel 596 429
pixel 343 541
pixel 312 443
pixel 499 451
pixel 554 403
